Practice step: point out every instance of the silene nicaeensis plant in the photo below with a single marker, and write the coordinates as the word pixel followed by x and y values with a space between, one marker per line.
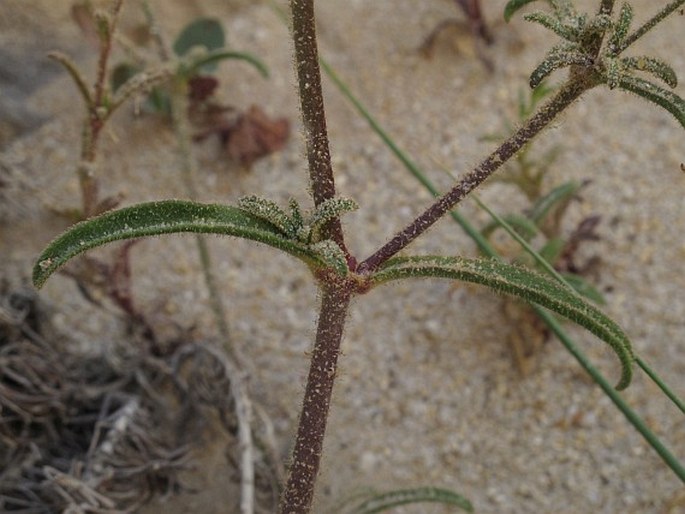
pixel 593 48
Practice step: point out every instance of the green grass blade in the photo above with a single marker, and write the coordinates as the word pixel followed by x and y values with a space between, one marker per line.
pixel 539 259
pixel 662 385
pixel 381 502
pixel 522 224
pixel 634 419
pixel 554 199
pixel 165 217
pixel 570 280
pixel 522 283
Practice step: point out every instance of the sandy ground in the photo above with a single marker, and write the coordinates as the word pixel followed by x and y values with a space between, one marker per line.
pixel 427 393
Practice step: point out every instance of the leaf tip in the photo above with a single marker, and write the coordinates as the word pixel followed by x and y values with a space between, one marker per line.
pixel 42 270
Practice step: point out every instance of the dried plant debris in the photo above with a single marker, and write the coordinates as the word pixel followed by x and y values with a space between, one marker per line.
pixel 245 136
pixel 78 434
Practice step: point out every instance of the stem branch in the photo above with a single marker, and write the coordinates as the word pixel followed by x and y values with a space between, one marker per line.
pixel 651 23
pixel 567 95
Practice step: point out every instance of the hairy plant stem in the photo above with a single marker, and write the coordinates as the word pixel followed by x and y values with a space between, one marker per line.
pixel 98 113
pixel 565 97
pixel 299 490
pixel 313 114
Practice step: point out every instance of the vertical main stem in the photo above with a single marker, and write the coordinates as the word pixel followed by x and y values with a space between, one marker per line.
pixel 313 113
pixel 299 490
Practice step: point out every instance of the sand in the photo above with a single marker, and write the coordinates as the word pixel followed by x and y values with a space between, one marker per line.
pixel 427 393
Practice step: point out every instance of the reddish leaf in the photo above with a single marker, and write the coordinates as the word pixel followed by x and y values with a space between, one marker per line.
pixel 254 135
pixel 201 87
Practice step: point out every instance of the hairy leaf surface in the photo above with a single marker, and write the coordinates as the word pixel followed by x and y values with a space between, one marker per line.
pixel 656 94
pixel 381 502
pixel 523 283
pixel 513 6
pixel 165 217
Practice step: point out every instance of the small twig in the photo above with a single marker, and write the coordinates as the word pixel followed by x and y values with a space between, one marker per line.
pixel 650 24
pixel 565 97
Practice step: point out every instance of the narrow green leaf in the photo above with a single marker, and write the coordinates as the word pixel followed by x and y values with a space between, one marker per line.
pixel 563 8
pixel 121 74
pixel 625 18
pixel 76 76
pixel 144 81
pixel 513 6
pixel 559 57
pixel 664 12
pixel 522 224
pixel 269 211
pixel 656 67
pixel 614 71
pixel 552 201
pixel 332 255
pixel 552 249
pixel 165 217
pixel 520 282
pixel 656 94
pixel 210 59
pixel 205 32
pixel 380 502
pixel 554 24
pixel 328 210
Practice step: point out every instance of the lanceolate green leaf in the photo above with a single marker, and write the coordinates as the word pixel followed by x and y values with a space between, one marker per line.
pixel 620 31
pixel 555 199
pixel 656 94
pixel 559 57
pixel 656 67
pixel 381 502
pixel 513 6
pixel 165 217
pixel 554 24
pixel 206 32
pixel 523 283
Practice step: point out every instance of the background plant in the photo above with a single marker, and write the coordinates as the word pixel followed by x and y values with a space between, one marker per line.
pixel 170 78
pixel 323 249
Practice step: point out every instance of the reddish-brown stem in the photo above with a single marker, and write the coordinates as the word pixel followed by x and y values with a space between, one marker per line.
pixel 299 490
pixel 313 114
pixel 97 115
pixel 105 51
pixel 570 92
